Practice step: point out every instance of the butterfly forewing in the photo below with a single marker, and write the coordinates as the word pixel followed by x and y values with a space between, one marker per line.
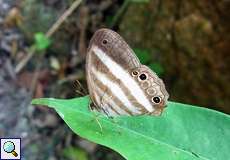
pixel 115 47
pixel 113 88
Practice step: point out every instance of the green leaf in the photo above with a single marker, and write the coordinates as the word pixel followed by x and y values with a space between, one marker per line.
pixel 41 41
pixel 157 67
pixel 182 132
pixel 143 55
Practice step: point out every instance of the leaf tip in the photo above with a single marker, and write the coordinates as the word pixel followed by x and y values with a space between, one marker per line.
pixel 35 101
pixel 41 101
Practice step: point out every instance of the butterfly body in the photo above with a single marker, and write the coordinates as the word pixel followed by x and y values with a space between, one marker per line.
pixel 118 83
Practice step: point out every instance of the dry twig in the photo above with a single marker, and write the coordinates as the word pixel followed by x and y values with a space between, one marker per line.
pixel 48 34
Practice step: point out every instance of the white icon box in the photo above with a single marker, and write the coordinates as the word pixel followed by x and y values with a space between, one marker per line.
pixel 10 148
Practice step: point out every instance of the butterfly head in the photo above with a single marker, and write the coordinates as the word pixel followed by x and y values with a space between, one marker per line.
pixel 152 86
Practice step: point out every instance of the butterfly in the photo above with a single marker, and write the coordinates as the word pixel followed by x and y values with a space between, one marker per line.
pixel 118 83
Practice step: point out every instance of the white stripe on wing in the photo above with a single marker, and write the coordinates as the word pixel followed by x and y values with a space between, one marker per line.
pixel 124 77
pixel 110 101
pixel 115 89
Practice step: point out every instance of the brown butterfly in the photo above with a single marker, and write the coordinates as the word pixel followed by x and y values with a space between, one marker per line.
pixel 118 83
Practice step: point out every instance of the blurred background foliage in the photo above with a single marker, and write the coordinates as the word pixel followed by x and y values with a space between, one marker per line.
pixel 185 42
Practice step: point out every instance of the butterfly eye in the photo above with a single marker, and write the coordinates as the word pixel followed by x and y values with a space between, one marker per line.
pixel 156 100
pixel 143 77
pixel 134 73
pixel 105 41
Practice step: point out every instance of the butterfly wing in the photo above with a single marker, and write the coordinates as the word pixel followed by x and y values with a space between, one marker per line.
pixel 112 86
pixel 107 49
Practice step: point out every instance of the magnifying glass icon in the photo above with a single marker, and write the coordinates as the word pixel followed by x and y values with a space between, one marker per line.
pixel 9 147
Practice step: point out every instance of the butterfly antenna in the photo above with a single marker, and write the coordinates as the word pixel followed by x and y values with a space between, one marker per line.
pixel 78 85
pixel 78 91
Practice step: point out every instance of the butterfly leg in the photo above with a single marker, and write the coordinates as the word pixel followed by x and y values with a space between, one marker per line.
pixel 96 114
pixel 96 109
pixel 97 120
pixel 104 100
pixel 104 105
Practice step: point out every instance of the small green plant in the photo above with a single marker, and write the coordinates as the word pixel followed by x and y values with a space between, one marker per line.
pixel 41 41
pixel 182 132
